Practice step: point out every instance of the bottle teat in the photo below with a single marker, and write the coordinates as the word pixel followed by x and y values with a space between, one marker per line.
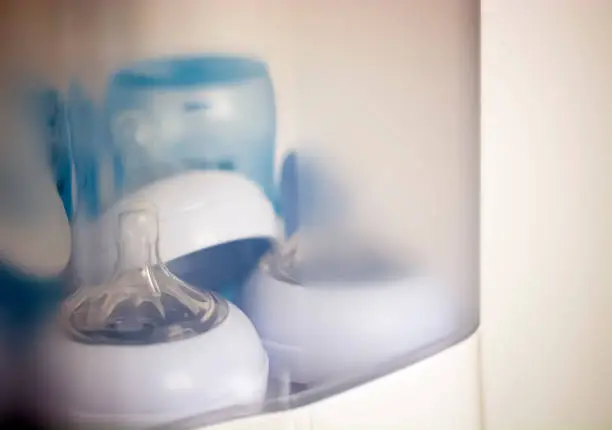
pixel 143 302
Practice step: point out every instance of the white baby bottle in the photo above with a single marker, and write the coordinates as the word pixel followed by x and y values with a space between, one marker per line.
pixel 145 348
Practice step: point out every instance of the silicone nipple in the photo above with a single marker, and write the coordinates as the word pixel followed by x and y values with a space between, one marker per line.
pixel 143 302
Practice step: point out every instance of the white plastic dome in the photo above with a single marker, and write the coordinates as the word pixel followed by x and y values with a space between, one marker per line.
pixel 318 336
pixel 197 210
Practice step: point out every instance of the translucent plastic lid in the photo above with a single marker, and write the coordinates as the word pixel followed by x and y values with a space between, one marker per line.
pixel 193 109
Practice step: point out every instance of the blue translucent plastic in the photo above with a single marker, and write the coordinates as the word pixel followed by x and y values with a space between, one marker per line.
pixel 207 112
pixel 50 117
pixel 289 194
pixel 91 154
pixel 28 300
pixel 309 193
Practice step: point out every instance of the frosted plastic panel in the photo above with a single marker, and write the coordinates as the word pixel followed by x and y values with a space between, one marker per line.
pixel 271 201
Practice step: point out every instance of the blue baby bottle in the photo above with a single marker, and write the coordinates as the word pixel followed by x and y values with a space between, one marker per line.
pixel 211 112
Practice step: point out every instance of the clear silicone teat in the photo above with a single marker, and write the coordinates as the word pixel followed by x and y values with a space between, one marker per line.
pixel 143 302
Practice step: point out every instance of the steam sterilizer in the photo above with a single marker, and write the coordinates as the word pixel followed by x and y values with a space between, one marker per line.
pixel 274 203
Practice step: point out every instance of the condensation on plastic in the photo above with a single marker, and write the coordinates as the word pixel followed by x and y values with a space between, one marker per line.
pixel 378 100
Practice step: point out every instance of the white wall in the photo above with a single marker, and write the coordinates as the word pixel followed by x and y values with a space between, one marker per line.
pixel 547 214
